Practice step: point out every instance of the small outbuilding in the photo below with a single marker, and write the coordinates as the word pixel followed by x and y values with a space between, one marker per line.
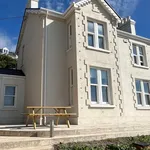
pixel 12 84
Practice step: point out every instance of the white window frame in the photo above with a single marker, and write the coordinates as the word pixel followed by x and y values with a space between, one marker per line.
pixel 138 55
pixel 99 86
pixel 142 92
pixel 96 35
pixel 15 96
pixel 71 85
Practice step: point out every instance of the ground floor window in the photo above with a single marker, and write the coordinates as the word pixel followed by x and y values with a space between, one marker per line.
pixel 9 96
pixel 143 92
pixel 71 85
pixel 100 86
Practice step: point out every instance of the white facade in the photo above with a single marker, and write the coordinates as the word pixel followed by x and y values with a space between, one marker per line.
pixel 85 59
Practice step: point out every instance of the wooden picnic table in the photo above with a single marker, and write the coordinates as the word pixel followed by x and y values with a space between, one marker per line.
pixel 59 111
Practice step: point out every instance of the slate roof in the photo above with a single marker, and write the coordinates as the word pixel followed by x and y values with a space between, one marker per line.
pixel 11 72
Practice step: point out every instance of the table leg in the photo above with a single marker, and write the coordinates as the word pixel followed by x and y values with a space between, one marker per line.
pixel 34 119
pixel 34 122
pixel 67 119
pixel 57 121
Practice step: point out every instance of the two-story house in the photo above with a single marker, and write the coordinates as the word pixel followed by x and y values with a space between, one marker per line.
pixel 87 57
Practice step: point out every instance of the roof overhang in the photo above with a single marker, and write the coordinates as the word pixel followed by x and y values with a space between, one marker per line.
pixel 104 4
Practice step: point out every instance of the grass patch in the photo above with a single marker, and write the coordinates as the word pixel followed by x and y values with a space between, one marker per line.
pixel 109 144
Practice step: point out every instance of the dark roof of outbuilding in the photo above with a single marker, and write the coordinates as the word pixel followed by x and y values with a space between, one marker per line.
pixel 11 72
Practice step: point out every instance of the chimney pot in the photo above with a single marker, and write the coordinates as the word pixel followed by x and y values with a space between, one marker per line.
pixel 33 4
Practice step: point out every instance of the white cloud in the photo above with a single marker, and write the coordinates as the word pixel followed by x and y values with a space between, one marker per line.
pixel 57 5
pixel 6 41
pixel 123 7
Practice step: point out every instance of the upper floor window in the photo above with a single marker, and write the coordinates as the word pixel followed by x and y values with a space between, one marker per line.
pixel 69 36
pixel 10 96
pixel 139 56
pixel 100 86
pixel 143 92
pixel 96 36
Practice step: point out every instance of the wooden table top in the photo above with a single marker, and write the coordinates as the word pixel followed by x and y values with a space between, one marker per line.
pixel 49 107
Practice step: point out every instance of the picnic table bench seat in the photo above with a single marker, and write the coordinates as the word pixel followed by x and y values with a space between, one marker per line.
pixel 33 112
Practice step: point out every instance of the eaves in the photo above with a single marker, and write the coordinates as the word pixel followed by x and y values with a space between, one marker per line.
pixel 127 35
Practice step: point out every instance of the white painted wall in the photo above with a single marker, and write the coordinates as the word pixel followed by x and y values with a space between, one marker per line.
pixel 30 59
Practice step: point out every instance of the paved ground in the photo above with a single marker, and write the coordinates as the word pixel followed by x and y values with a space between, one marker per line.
pixel 39 128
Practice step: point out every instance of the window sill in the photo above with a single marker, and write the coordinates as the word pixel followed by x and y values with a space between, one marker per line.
pixel 143 67
pixel 98 49
pixel 101 106
pixel 9 109
pixel 143 107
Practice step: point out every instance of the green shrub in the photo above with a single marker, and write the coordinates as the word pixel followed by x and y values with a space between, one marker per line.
pixel 109 144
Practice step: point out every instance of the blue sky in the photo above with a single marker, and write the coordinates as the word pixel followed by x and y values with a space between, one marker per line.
pixel 9 29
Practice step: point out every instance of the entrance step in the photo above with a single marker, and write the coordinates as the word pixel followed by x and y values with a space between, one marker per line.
pixel 16 143
pixel 71 131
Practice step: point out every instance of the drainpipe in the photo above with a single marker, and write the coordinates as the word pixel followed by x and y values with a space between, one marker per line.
pixel 45 63
pixel 43 73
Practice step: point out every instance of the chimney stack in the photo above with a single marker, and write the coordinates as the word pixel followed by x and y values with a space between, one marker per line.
pixel 33 4
pixel 127 25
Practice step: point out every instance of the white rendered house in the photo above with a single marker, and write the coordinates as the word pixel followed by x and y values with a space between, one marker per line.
pixel 87 57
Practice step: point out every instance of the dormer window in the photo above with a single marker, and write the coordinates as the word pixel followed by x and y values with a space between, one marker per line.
pixel 96 36
pixel 139 56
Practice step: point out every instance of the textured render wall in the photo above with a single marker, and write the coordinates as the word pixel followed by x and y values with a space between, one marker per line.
pixel 12 115
pixel 131 112
pixel 32 64
pixel 72 62
pixel 87 57
pixel 56 63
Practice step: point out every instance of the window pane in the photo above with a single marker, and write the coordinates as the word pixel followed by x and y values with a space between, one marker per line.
pixel 105 94
pixel 134 50
pixel 135 60
pixel 9 101
pixel 101 42
pixel 90 27
pixel 71 96
pixel 146 87
pixel 141 50
pixel 138 85
pixel 104 77
pixel 93 93
pixel 100 29
pixel 142 60
pixel 147 99
pixel 139 98
pixel 9 90
pixel 70 30
pixel 93 73
pixel 90 40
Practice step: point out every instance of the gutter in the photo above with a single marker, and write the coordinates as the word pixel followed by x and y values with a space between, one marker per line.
pixel 127 35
